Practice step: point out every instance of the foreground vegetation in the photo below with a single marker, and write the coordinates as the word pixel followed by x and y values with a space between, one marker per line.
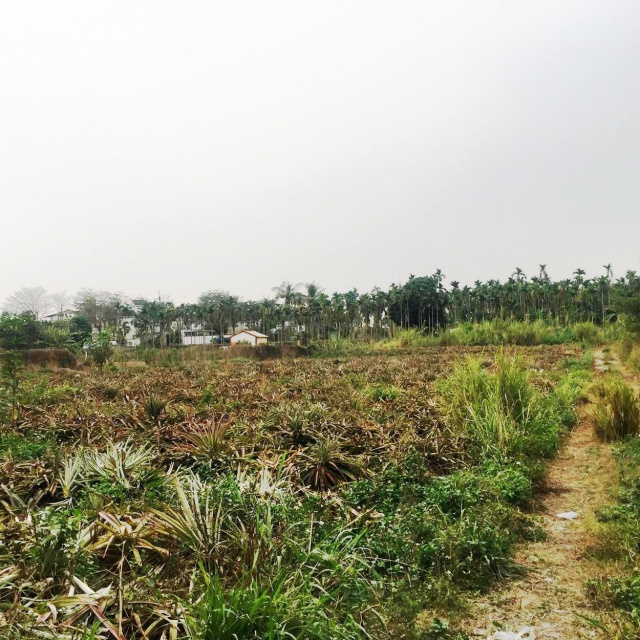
pixel 617 420
pixel 308 498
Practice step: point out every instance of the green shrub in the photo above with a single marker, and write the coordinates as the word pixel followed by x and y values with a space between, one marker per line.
pixel 471 550
pixel 618 414
pixel 208 396
pixel 440 630
pixel 57 395
pixel 110 393
pixel 509 483
pixel 57 530
pixel 101 349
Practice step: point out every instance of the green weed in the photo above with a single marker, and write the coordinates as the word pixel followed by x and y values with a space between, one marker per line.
pixel 383 393
pixel 24 447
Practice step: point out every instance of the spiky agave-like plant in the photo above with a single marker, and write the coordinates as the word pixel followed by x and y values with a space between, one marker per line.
pixel 154 407
pixel 122 463
pixel 207 440
pixel 72 475
pixel 325 464
pixel 197 521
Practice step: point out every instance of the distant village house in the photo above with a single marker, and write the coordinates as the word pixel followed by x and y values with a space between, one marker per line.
pixel 254 338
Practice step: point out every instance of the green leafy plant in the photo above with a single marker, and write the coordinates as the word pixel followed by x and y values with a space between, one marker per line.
pixel 23 446
pixel 59 337
pixel 72 475
pixel 617 592
pixel 386 393
pixel 324 464
pixel 207 440
pixel 121 463
pixel 155 407
pixel 101 349
pixel 110 393
pixel 196 522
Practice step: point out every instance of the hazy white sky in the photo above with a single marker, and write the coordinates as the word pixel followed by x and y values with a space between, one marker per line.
pixel 184 146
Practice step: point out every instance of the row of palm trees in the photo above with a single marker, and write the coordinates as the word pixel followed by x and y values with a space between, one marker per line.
pixel 570 300
pixel 306 312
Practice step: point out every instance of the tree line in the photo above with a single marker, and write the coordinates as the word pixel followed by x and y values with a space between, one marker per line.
pixel 307 312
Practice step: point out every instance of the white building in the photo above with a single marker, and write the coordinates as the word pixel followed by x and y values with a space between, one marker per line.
pixel 59 315
pixel 129 332
pixel 254 338
pixel 130 335
pixel 196 335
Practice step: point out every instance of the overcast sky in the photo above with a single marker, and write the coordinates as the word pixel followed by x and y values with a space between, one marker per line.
pixel 184 146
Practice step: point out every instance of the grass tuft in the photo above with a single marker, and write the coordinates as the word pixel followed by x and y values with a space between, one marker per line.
pixel 618 414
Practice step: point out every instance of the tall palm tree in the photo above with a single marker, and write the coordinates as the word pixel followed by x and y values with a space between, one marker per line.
pixel 287 293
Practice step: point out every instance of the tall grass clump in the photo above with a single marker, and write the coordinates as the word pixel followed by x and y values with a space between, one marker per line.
pixel 618 414
pixel 620 540
pixel 500 413
pixel 286 607
pixel 634 359
pixel 525 333
pixel 628 351
pixel 411 338
pixel 588 333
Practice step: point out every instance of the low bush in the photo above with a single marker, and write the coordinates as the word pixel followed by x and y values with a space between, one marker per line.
pixel 46 394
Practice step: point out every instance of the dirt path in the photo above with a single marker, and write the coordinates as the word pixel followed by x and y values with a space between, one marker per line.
pixel 551 596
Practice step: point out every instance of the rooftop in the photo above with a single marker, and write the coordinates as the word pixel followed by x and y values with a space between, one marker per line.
pixel 255 334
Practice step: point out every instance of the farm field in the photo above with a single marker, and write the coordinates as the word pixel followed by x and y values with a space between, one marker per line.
pixel 320 321
pixel 342 497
